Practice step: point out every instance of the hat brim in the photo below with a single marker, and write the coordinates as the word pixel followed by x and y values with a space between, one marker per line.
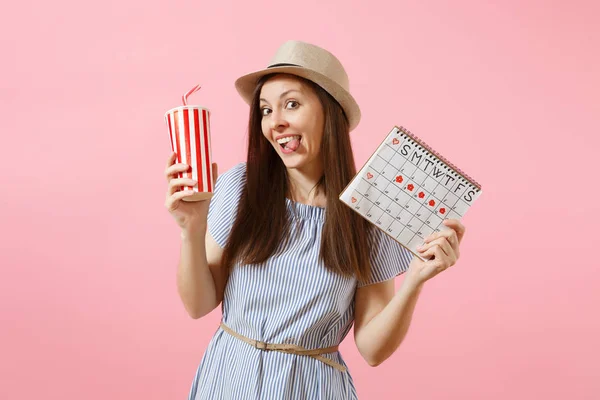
pixel 246 84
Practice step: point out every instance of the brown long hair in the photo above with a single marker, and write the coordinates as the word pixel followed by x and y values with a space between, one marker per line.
pixel 262 222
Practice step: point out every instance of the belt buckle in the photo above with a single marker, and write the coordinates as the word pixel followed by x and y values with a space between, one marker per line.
pixel 260 345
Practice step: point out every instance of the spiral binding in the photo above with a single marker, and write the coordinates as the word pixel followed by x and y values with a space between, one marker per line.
pixel 463 176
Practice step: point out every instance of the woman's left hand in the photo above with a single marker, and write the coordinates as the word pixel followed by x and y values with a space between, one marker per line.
pixel 441 249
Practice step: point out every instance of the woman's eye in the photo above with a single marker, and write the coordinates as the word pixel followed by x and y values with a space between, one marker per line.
pixel 292 104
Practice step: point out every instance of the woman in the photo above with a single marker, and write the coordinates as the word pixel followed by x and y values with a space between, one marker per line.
pixel 293 266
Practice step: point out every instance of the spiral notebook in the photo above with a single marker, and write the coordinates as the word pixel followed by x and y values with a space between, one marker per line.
pixel 407 189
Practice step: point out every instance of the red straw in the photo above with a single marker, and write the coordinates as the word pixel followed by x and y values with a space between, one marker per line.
pixel 192 90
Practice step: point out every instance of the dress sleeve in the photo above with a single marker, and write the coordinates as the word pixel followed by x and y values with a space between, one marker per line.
pixel 224 203
pixel 388 259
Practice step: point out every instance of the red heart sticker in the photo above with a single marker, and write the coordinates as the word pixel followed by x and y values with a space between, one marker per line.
pixel 431 203
pixel 369 175
pixel 421 195
pixel 410 187
pixel 354 200
pixel 399 179
pixel 442 210
pixel 395 141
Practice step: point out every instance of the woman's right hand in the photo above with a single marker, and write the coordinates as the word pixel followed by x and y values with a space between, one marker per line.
pixel 190 216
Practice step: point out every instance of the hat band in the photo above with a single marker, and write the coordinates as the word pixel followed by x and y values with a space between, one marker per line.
pixel 284 65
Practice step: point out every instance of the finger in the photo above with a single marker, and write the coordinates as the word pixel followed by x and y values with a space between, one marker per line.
pixel 215 171
pixel 445 232
pixel 171 159
pixel 449 254
pixel 172 202
pixel 176 184
pixel 430 251
pixel 455 243
pixel 177 196
pixel 452 238
pixel 172 171
pixel 443 258
pixel 434 257
pixel 440 260
pixel 457 226
pixel 448 249
pixel 437 235
pixel 442 243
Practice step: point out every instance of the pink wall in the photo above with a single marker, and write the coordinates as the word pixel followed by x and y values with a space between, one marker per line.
pixel 508 91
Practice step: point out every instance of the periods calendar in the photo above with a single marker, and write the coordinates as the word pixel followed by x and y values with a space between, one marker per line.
pixel 407 189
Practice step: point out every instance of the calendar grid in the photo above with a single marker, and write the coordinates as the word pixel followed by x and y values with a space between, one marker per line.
pixel 382 193
pixel 401 198
pixel 438 184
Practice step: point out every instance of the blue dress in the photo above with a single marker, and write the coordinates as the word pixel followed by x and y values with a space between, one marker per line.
pixel 291 298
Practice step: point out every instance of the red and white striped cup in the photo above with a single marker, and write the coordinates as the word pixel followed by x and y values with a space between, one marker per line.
pixel 189 130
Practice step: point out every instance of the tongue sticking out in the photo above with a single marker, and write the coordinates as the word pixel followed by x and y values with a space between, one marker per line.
pixel 292 144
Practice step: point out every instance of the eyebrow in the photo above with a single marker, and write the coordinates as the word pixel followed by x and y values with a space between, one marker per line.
pixel 283 94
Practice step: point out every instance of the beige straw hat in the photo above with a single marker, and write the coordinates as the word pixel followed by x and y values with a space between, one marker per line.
pixel 313 63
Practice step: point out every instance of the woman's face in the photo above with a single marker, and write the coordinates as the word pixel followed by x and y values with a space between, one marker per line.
pixel 292 120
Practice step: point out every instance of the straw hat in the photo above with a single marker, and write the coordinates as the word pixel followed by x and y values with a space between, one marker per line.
pixel 310 62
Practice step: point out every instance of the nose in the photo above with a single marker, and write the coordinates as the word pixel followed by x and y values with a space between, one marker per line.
pixel 278 120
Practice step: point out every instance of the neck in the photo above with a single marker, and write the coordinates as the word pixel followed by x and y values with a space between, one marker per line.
pixel 303 184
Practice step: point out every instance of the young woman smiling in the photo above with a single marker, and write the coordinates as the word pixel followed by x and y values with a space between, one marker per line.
pixel 293 267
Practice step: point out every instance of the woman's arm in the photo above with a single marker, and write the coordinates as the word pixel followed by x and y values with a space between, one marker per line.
pixel 200 278
pixel 382 318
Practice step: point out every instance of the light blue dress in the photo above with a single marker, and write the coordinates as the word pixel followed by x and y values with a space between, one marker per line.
pixel 291 298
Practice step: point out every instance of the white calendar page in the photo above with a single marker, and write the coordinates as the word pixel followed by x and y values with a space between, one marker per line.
pixel 407 189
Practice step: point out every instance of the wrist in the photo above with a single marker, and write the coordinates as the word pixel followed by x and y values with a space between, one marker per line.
pixel 193 234
pixel 413 280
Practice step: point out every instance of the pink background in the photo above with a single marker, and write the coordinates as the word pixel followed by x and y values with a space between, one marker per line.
pixel 506 90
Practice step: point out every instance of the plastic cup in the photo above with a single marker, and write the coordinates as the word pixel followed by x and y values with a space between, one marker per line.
pixel 189 130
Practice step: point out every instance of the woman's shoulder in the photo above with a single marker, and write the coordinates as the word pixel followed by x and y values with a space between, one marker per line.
pixel 239 168
pixel 229 185
pixel 233 177
pixel 224 202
